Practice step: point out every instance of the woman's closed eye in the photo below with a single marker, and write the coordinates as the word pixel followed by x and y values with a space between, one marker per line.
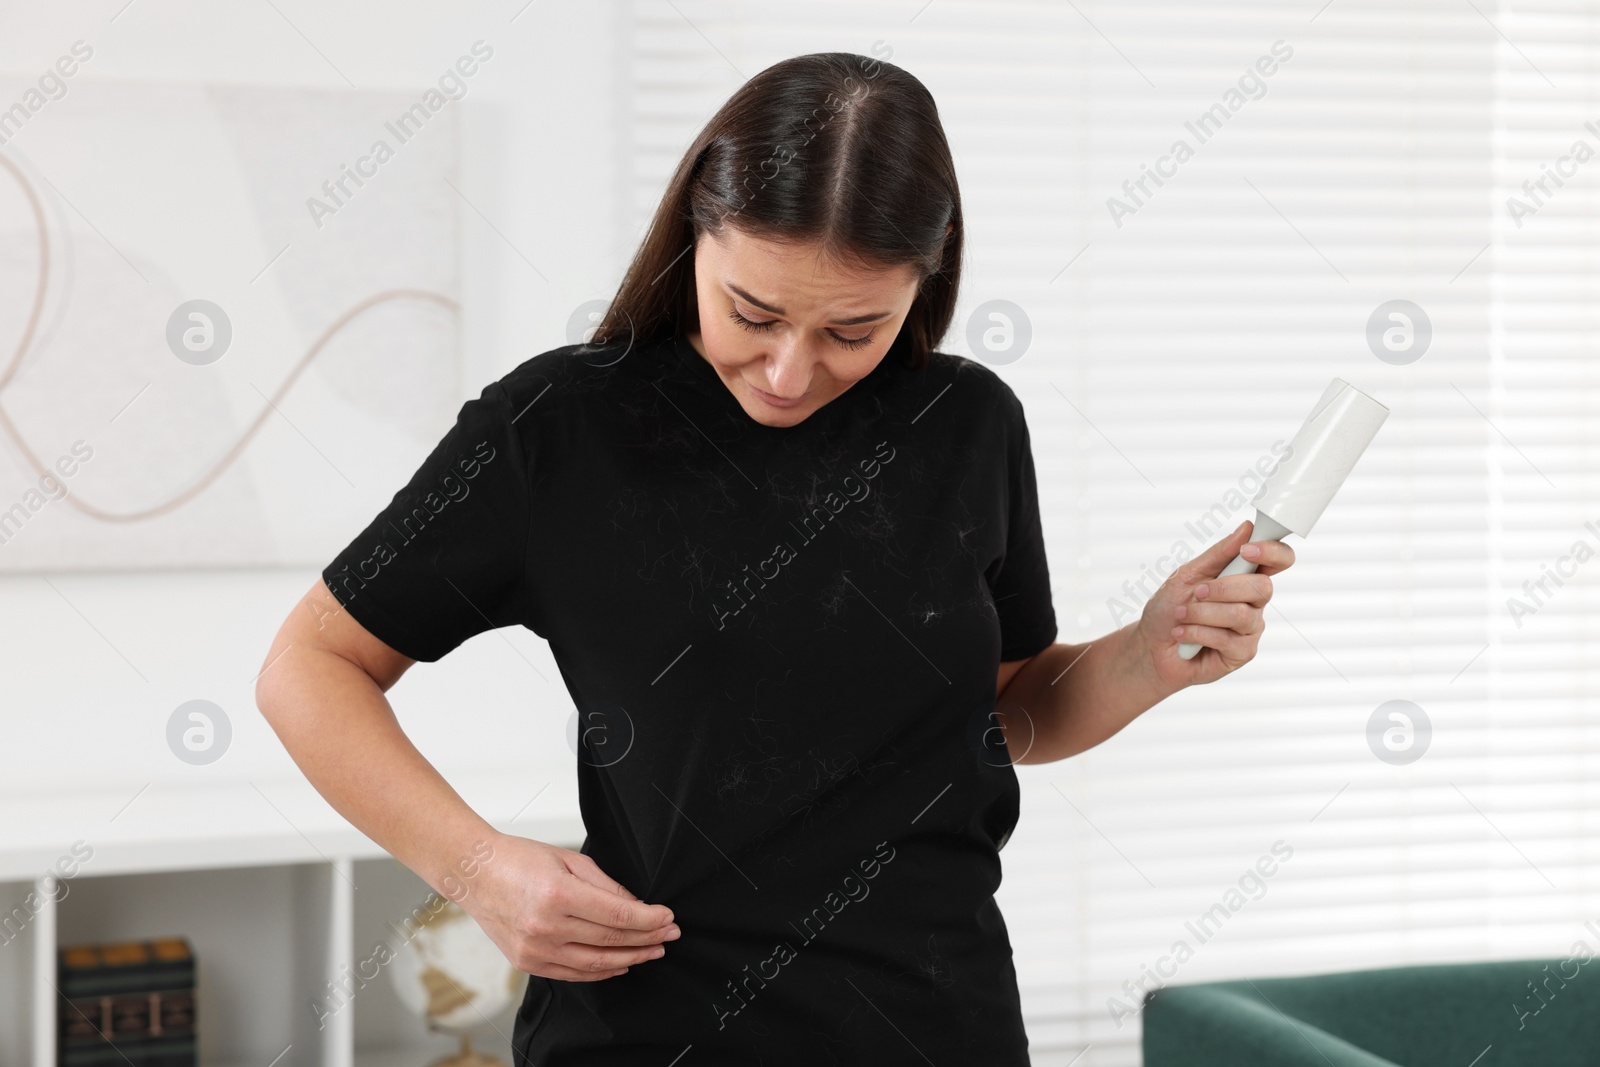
pixel 761 327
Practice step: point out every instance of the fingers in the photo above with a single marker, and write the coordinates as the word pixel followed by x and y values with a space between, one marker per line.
pixel 553 944
pixel 587 959
pixel 1240 618
pixel 1232 644
pixel 582 900
pixel 547 942
pixel 561 917
pixel 1270 557
pixel 570 974
pixel 589 933
pixel 1253 589
pixel 1208 563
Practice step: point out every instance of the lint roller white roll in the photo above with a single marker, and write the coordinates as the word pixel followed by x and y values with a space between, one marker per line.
pixel 1320 457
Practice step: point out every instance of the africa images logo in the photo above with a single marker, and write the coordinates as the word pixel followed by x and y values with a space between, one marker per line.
pixel 431 503
pixel 851 889
pixel 742 590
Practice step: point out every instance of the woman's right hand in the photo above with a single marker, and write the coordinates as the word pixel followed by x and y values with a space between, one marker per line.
pixel 554 913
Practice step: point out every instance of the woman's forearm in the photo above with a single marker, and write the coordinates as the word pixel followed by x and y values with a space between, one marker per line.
pixel 339 728
pixel 1076 696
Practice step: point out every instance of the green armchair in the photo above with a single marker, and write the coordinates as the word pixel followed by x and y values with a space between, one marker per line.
pixel 1544 1012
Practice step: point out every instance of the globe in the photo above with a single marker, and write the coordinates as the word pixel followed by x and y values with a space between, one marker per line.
pixel 448 973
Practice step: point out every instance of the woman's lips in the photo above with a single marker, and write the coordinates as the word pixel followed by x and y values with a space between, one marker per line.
pixel 776 401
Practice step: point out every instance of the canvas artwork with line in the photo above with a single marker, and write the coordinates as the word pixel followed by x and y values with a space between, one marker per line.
pixel 220 344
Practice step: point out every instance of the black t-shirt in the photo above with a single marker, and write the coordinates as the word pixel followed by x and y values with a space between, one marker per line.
pixel 782 645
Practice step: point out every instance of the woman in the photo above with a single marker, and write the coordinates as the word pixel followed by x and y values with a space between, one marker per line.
pixel 788 559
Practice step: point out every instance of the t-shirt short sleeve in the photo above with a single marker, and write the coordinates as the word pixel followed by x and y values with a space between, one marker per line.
pixel 446 557
pixel 1020 580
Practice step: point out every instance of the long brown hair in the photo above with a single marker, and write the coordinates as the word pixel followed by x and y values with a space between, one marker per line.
pixel 834 148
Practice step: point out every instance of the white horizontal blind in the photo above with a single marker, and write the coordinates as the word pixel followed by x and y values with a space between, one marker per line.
pixel 1171 351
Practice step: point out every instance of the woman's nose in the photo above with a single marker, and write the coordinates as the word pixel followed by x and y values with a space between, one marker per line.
pixel 788 371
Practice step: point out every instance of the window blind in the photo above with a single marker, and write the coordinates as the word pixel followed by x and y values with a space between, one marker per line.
pixel 1179 329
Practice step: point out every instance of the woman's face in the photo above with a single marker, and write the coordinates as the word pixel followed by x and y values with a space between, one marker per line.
pixel 787 332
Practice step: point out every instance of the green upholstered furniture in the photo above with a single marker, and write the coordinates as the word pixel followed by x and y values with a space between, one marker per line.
pixel 1544 1012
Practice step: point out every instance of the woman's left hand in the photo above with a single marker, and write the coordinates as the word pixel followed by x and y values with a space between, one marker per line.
pixel 1223 615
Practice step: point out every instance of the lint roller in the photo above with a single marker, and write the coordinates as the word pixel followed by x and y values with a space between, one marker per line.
pixel 1320 457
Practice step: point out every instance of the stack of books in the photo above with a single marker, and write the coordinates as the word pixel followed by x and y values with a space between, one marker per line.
pixel 130 1004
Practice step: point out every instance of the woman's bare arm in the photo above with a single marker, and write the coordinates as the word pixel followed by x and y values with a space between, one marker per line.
pixel 322 690
pixel 1073 697
pixel 552 911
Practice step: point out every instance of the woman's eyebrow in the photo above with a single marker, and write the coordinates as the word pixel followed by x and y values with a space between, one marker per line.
pixel 854 320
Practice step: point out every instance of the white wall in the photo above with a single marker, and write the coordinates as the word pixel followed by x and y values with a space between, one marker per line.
pixel 92 664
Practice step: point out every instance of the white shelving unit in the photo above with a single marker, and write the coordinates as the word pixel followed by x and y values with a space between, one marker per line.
pixel 275 891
